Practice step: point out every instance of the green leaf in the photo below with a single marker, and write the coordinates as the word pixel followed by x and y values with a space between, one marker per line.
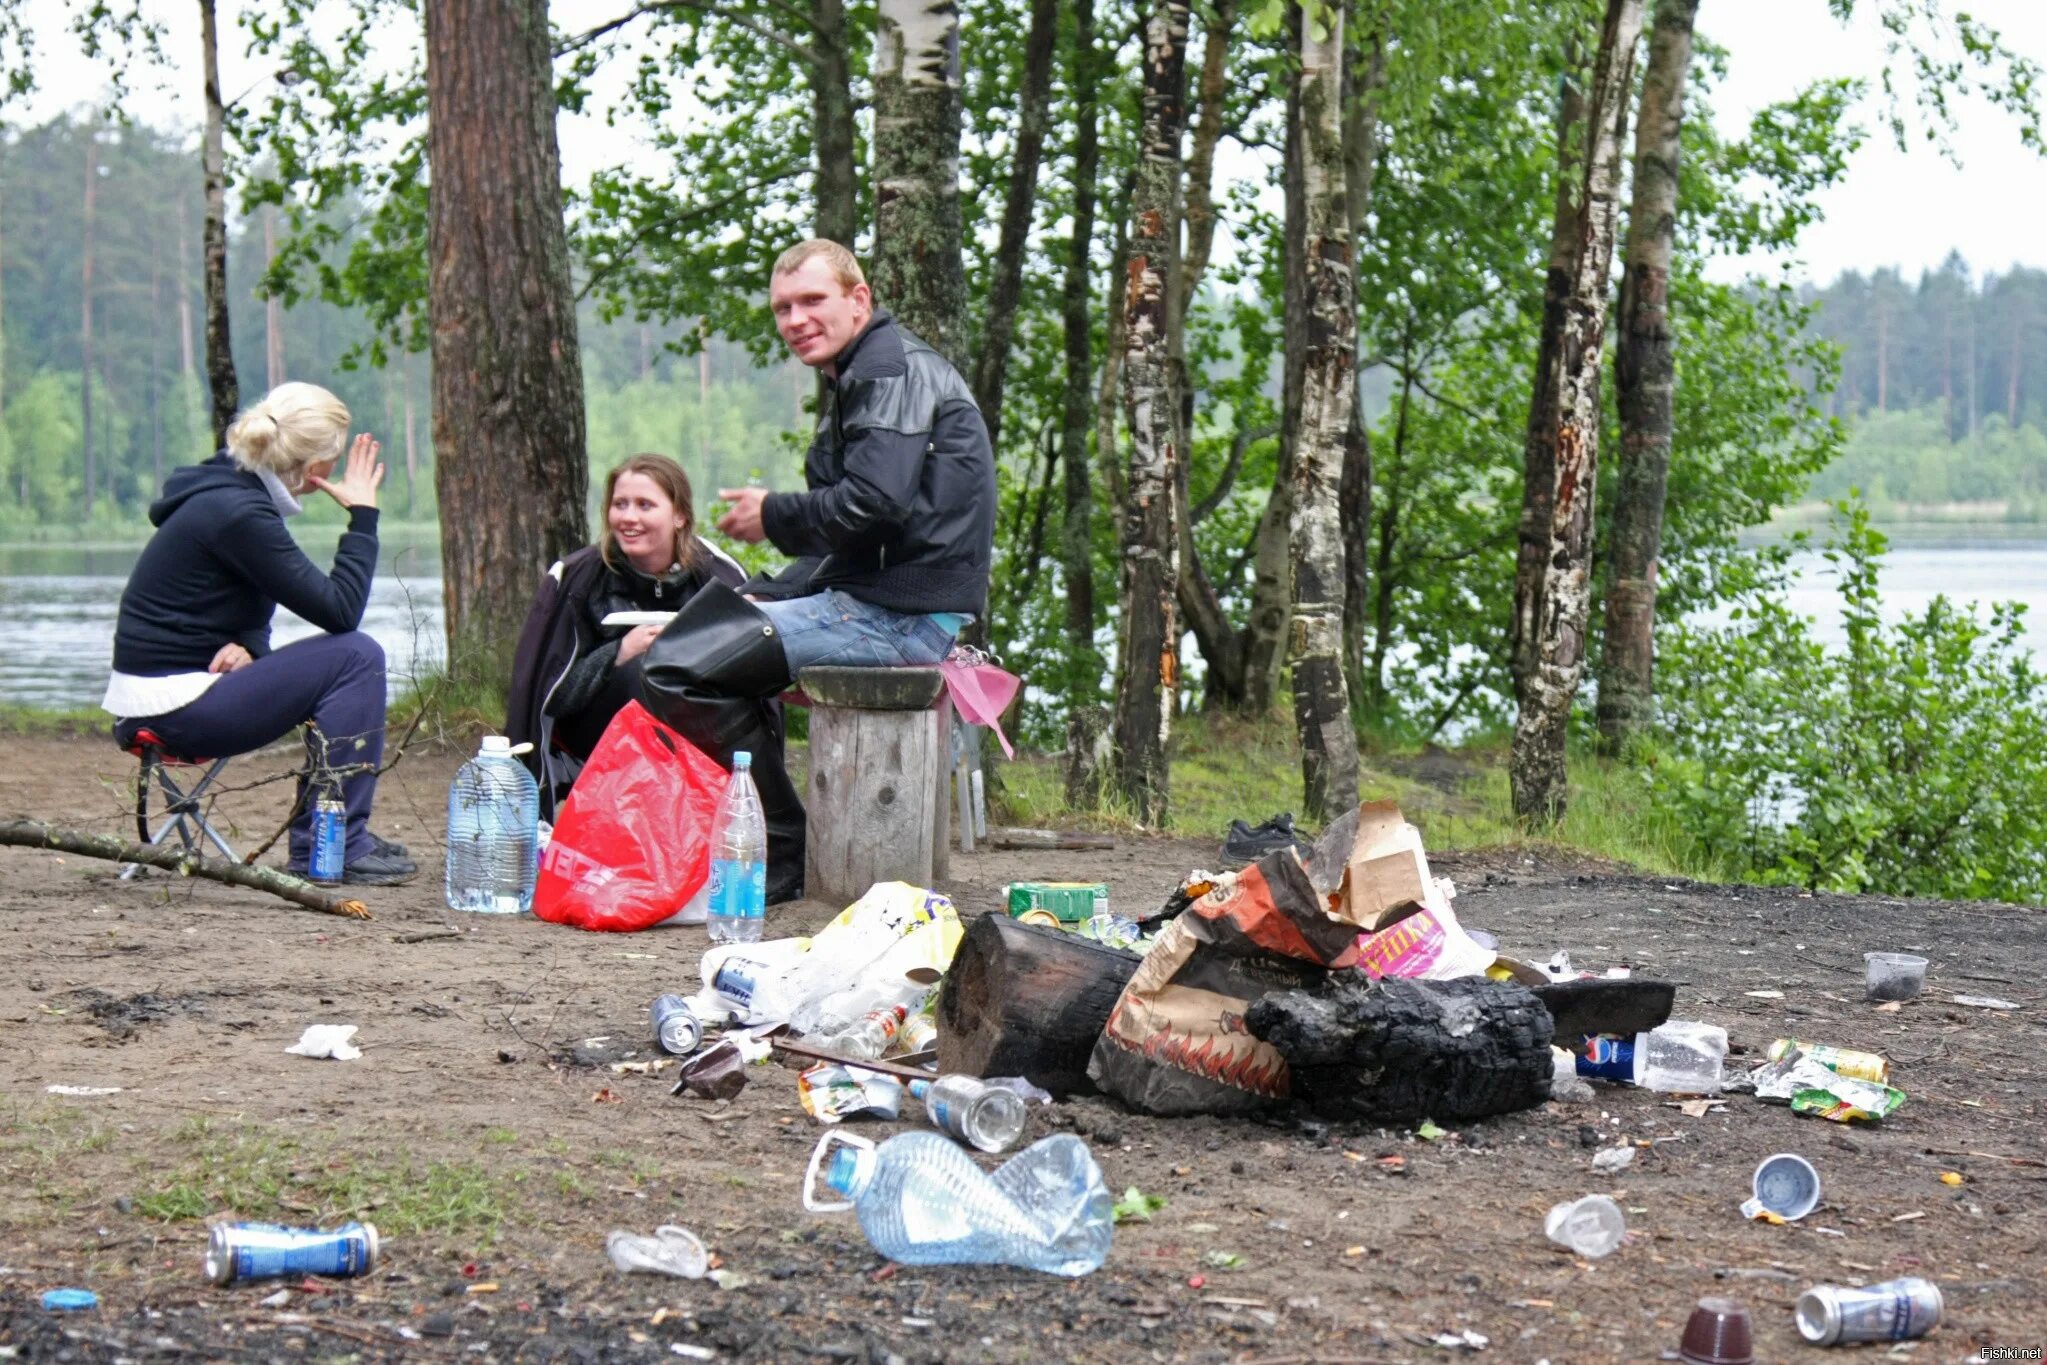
pixel 1136 1205
pixel 1429 1132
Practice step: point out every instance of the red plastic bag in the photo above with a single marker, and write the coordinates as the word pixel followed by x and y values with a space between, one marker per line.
pixel 632 844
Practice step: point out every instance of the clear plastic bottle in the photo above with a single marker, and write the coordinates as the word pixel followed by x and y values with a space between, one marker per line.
pixel 1678 1057
pixel 493 833
pixel 921 1200
pixel 869 1035
pixel 739 860
pixel 988 1116
pixel 1592 1226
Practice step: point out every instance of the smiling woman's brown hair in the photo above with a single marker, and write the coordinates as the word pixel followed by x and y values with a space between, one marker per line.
pixel 669 478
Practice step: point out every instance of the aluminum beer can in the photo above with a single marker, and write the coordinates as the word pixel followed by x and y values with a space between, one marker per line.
pixel 675 1025
pixel 266 1251
pixel 330 840
pixel 1892 1311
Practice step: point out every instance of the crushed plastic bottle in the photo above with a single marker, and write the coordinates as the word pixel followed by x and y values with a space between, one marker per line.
pixel 671 1250
pixel 921 1200
pixel 870 1035
pixel 988 1116
pixel 1592 1226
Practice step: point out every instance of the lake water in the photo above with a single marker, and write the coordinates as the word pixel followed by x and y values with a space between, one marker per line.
pixel 57 605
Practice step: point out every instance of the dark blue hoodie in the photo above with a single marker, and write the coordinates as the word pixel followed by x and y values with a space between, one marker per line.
pixel 220 564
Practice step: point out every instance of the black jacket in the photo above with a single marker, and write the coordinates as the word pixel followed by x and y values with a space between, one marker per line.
pixel 900 507
pixel 218 567
pixel 564 628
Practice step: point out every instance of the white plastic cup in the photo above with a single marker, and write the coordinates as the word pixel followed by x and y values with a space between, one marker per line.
pixel 1894 976
pixel 1786 1185
pixel 1592 1226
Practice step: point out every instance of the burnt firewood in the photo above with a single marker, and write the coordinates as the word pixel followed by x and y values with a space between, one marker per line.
pixel 1022 1000
pixel 1396 1051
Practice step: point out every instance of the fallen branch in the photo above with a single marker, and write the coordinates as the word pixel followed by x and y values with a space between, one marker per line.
pixel 35 834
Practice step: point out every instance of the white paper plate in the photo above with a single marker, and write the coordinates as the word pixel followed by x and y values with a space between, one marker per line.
pixel 639 618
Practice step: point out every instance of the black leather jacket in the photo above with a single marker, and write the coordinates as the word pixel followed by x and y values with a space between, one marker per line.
pixel 900 507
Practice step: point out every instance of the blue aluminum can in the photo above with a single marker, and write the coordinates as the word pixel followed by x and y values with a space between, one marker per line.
pixel 330 840
pixel 1607 1059
pixel 267 1251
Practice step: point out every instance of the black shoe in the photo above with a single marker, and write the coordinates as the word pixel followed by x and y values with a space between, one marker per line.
pixel 376 868
pixel 1248 843
pixel 383 845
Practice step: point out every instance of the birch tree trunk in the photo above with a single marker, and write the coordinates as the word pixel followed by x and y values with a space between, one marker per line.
pixel 1644 366
pixel 1084 666
pixel 184 287
pixel 919 273
pixel 220 356
pixel 831 104
pixel 1552 582
pixel 1329 743
pixel 991 366
pixel 1149 662
pixel 273 306
pixel 511 464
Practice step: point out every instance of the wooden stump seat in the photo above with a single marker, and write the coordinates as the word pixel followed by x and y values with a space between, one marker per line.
pixel 880 760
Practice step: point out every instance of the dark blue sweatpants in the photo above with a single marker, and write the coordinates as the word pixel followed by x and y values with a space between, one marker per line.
pixel 334 681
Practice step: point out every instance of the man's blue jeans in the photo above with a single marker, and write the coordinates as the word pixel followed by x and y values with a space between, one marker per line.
pixel 831 627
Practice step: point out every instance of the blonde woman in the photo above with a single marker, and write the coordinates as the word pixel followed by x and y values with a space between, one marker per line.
pixel 192 656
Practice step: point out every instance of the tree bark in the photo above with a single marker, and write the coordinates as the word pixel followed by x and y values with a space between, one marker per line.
pixel 1552 584
pixel 831 103
pixel 919 273
pixel 1329 741
pixel 1020 1000
pixel 85 365
pixel 220 356
pixel 184 287
pixel 1364 79
pixel 991 367
pixel 1084 661
pixel 511 468
pixel 1644 365
pixel 1149 665
pixel 35 834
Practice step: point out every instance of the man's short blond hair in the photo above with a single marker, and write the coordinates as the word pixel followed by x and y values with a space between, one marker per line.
pixel 841 261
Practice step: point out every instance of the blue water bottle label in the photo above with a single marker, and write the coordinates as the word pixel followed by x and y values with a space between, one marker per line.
pixel 1608 1059
pixel 739 889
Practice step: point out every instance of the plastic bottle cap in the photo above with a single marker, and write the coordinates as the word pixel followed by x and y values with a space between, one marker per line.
pixel 496 744
pixel 741 759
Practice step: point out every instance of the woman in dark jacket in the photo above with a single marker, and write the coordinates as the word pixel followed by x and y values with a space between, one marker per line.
pixel 192 656
pixel 573 672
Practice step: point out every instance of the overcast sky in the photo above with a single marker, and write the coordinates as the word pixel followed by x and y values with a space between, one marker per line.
pixel 1903 208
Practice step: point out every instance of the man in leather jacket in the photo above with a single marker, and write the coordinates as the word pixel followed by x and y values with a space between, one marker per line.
pixel 892 537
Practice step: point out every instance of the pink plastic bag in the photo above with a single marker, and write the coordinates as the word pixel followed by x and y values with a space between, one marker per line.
pixel 632 844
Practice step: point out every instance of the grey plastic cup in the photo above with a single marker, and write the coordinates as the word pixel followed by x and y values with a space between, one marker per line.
pixel 1786 1185
pixel 1894 976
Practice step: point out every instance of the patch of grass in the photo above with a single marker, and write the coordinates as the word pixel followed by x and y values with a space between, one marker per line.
pixel 36 722
pixel 499 1137
pixel 1228 767
pixel 451 706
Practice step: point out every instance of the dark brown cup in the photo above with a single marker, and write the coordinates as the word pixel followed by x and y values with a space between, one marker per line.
pixel 1717 1334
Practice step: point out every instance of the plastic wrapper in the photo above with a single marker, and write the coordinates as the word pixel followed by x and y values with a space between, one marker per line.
pixel 631 845
pixel 830 1092
pixel 1810 1087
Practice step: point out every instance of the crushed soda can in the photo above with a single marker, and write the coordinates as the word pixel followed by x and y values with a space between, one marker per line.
pixel 1895 1310
pixel 1810 1087
pixel 830 1092
pixel 1842 1061
pixel 268 1251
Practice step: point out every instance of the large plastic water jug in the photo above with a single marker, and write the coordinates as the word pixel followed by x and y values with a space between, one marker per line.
pixel 493 833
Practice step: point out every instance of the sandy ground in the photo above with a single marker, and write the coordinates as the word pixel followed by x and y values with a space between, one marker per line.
pixel 487 1134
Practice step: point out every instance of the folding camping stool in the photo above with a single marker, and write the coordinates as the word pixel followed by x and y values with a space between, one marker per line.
pixel 183 807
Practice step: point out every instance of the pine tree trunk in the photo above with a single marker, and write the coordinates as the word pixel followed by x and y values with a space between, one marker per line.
pixel 1084 661
pixel 411 441
pixel 1364 79
pixel 919 273
pixel 1329 742
pixel 1149 663
pixel 187 367
pixel 155 364
pixel 85 365
pixel 991 367
pixel 1552 584
pixel 831 103
pixel 1644 366
pixel 511 461
pixel 220 356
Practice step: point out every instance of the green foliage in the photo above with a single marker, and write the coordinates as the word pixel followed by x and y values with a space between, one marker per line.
pixel 1907 457
pixel 1913 761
